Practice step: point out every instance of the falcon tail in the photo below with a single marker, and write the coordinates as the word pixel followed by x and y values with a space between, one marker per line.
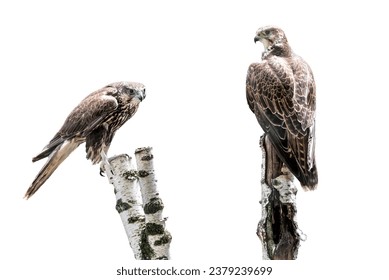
pixel 308 178
pixel 309 181
pixel 57 156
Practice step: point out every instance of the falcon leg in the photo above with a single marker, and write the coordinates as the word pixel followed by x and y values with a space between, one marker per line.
pixel 104 165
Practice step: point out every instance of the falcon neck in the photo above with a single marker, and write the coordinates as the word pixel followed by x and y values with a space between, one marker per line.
pixel 280 49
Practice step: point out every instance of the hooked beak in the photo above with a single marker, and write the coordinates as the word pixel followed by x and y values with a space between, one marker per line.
pixel 257 38
pixel 141 94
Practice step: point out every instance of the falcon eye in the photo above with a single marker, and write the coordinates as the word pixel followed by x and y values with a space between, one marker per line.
pixel 131 90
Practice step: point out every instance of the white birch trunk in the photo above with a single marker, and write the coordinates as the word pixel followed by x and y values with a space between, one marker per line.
pixel 128 200
pixel 157 236
pixel 139 205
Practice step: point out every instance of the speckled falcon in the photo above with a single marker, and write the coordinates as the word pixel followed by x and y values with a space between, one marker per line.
pixel 281 92
pixel 94 121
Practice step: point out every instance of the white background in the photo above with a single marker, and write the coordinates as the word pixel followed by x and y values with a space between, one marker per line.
pixel 193 57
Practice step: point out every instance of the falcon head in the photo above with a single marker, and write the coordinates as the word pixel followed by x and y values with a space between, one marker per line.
pixel 133 89
pixel 272 38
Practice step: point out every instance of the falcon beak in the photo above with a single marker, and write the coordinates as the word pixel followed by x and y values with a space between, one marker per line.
pixel 141 94
pixel 257 38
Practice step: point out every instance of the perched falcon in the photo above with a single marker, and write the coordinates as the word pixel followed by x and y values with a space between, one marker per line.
pixel 94 121
pixel 281 93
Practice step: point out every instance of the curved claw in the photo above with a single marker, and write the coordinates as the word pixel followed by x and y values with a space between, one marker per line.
pixel 103 170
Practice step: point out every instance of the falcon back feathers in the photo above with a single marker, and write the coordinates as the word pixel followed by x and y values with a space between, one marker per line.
pixel 94 121
pixel 281 92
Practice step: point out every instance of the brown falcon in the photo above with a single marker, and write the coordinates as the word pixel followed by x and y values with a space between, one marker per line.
pixel 281 92
pixel 94 121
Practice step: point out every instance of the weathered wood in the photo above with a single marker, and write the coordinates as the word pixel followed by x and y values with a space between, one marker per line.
pixel 277 229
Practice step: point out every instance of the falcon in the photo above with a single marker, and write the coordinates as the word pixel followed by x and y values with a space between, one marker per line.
pixel 94 121
pixel 281 92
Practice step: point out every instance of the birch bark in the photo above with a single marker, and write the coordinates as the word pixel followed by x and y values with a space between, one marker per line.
pixel 155 232
pixel 128 200
pixel 139 205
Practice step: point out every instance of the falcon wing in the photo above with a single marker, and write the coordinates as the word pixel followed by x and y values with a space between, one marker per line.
pixel 281 93
pixel 89 114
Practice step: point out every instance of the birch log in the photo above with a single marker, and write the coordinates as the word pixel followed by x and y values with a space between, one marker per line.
pixel 277 229
pixel 128 201
pixel 155 232
pixel 139 205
